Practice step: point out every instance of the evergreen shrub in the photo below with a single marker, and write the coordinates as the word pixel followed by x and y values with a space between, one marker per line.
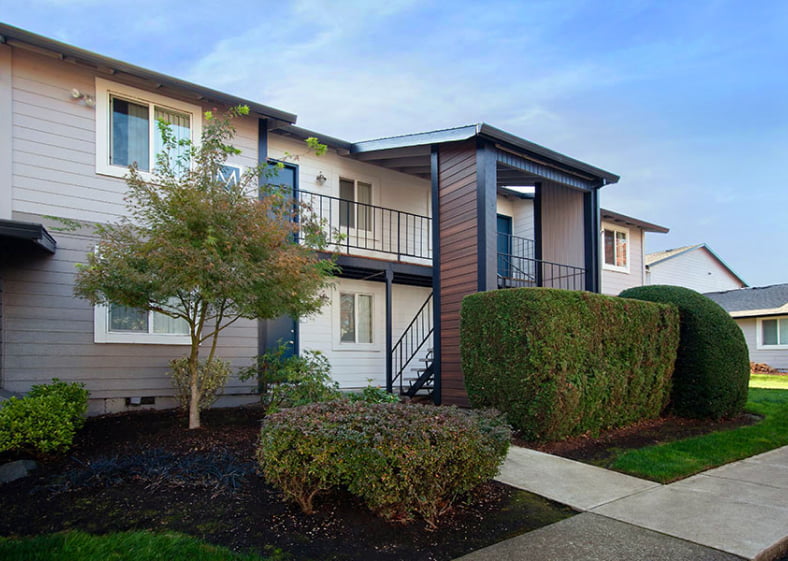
pixel 561 363
pixel 46 420
pixel 712 368
pixel 403 461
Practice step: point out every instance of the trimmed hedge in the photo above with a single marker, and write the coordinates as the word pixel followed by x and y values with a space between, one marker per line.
pixel 401 460
pixel 562 363
pixel 44 421
pixel 712 367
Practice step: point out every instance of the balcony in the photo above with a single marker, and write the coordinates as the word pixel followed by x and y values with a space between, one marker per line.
pixel 517 267
pixel 371 231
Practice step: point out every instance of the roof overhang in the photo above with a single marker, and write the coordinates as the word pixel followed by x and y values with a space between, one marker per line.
pixel 109 66
pixel 22 237
pixel 741 314
pixel 519 161
pixel 615 217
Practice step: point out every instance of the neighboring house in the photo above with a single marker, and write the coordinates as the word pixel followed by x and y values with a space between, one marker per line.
pixel 762 314
pixel 693 266
pixel 427 218
pixel 623 251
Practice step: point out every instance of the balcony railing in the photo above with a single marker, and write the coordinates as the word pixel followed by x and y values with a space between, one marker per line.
pixel 523 271
pixel 360 226
pixel 517 267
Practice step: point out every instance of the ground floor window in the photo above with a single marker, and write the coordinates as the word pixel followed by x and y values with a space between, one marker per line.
pixel 774 332
pixel 355 318
pixel 120 324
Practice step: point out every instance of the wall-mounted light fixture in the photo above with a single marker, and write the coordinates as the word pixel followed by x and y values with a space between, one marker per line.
pixel 84 98
pixel 320 179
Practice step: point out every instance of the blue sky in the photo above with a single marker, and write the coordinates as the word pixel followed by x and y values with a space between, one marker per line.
pixel 686 100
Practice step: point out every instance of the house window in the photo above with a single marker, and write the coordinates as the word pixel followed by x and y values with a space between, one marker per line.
pixel 119 324
pixel 774 332
pixel 616 249
pixel 355 318
pixel 127 128
pixel 354 209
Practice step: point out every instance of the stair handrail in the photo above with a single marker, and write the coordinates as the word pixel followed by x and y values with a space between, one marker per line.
pixel 400 350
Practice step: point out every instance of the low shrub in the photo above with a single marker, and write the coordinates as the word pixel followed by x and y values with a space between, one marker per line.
pixel 401 460
pixel 211 378
pixel 74 395
pixel 374 394
pixel 712 366
pixel 560 363
pixel 46 420
pixel 290 381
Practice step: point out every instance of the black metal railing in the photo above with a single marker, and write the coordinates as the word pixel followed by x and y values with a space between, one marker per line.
pixel 410 345
pixel 524 272
pixel 352 225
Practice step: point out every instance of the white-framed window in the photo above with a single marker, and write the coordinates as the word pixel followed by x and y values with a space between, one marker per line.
pixel 354 209
pixel 615 249
pixel 773 333
pixel 356 318
pixel 127 126
pixel 119 324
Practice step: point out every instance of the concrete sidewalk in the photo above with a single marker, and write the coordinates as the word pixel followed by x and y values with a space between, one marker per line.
pixel 737 511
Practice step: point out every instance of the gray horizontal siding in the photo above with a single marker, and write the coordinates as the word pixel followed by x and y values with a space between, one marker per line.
pixel 49 333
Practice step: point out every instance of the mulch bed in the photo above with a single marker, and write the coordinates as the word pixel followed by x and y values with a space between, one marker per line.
pixel 146 471
pixel 601 450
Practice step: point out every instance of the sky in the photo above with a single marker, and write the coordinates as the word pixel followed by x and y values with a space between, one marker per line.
pixel 686 100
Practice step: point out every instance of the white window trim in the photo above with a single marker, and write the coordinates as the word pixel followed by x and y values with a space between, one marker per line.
pixel 102 334
pixel 373 195
pixel 626 232
pixel 759 344
pixel 336 303
pixel 106 88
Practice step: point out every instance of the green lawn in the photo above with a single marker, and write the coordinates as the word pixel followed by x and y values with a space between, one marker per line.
pixel 769 381
pixel 125 546
pixel 676 460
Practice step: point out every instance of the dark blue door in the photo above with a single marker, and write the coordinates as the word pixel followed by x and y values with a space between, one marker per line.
pixel 504 246
pixel 284 328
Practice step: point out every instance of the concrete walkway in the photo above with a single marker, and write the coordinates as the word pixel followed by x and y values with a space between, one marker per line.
pixel 738 511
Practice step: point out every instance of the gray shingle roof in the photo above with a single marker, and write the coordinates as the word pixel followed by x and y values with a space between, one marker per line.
pixel 658 256
pixel 761 299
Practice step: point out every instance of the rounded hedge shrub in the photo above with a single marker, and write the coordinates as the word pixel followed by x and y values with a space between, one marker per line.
pixel 401 460
pixel 712 366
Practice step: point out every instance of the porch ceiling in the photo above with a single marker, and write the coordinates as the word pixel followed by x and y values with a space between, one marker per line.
pixel 415 160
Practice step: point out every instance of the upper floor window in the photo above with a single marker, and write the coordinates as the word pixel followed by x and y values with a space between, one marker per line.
pixel 616 249
pixel 773 332
pixel 127 128
pixel 354 208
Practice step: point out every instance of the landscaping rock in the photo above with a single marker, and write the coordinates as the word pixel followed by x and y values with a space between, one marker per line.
pixel 16 470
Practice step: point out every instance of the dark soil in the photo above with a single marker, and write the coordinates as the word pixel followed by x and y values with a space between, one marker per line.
pixel 146 471
pixel 602 450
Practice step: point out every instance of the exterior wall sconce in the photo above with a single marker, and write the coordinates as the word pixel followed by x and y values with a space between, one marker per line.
pixel 84 98
pixel 320 179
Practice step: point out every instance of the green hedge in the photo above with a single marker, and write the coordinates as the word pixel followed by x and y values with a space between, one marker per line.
pixel 44 421
pixel 401 460
pixel 562 363
pixel 712 367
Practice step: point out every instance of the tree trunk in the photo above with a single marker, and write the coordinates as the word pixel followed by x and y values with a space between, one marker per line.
pixel 194 400
pixel 194 405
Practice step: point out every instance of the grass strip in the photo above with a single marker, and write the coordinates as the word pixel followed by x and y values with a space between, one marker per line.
pixel 123 546
pixel 675 460
pixel 769 381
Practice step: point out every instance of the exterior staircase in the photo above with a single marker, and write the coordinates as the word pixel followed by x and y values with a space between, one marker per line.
pixel 412 349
